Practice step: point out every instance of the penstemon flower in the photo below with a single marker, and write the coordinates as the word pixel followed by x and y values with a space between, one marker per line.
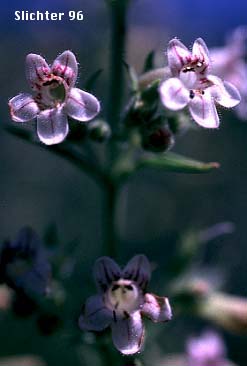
pixel 229 63
pixel 55 97
pixel 122 301
pixel 23 264
pixel 206 350
pixel 191 84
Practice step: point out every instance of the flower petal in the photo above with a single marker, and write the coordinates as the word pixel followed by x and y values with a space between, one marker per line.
pixel 81 105
pixel 157 308
pixel 173 94
pixel 200 52
pixel 33 281
pixel 96 317
pixel 52 126
pixel 138 269
pixel 37 70
pixel 65 66
pixel 224 93
pixel 190 80
pixel 24 263
pixel 208 346
pixel 203 111
pixel 128 334
pixel 178 55
pixel 23 108
pixel 105 272
pixel 241 109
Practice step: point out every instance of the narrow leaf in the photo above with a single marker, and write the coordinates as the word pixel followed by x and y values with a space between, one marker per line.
pixel 176 163
pixel 133 77
pixel 149 62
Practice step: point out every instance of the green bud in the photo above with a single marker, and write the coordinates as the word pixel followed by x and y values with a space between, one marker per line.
pixel 150 94
pixel 99 130
pixel 179 122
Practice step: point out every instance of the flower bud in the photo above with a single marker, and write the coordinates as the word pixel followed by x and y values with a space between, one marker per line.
pixel 139 112
pixel 99 130
pixel 158 140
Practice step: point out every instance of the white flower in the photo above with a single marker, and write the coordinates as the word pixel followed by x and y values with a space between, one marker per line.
pixel 55 97
pixel 192 85
pixel 122 301
pixel 229 63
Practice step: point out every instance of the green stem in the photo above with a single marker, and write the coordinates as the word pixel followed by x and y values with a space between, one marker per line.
pixel 109 208
pixel 118 11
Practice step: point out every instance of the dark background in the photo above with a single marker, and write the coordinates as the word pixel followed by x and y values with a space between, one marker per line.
pixel 38 188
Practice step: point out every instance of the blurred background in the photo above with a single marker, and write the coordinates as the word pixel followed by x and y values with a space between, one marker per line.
pixel 38 188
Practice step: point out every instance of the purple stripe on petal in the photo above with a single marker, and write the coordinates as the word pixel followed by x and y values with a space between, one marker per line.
pixel 65 66
pixel 173 94
pixel 52 126
pixel 138 269
pixel 200 52
pixel 23 108
pixel 106 271
pixel 178 55
pixel 37 70
pixel 81 105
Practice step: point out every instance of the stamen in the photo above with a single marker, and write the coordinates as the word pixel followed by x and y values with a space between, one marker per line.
pixel 192 94
pixel 188 68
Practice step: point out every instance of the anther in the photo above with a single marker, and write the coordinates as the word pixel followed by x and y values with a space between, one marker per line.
pixel 192 94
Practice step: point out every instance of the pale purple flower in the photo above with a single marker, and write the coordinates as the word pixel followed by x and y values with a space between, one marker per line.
pixel 55 97
pixel 122 301
pixel 191 84
pixel 206 350
pixel 229 63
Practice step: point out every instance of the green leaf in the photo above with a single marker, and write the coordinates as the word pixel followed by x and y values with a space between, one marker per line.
pixel 149 62
pixel 89 84
pixel 133 77
pixel 170 162
pixel 65 150
pixel 176 163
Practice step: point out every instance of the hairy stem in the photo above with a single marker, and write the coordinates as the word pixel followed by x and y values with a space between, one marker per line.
pixel 118 11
